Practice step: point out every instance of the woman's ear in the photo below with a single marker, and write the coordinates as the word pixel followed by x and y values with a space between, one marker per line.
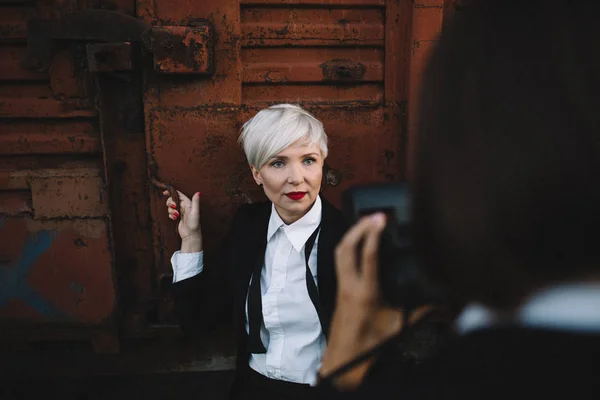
pixel 256 175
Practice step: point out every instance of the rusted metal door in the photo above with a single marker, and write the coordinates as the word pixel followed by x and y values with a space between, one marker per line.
pixel 344 60
pixel 57 277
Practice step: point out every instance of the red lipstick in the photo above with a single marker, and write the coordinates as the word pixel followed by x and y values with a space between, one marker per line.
pixel 296 195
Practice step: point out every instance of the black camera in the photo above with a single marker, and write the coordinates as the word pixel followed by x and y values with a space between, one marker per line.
pixel 401 282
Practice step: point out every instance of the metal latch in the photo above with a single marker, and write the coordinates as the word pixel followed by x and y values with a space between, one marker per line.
pixel 340 69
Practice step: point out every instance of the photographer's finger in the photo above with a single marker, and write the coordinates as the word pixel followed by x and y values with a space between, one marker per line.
pixel 346 251
pixel 370 250
pixel 345 262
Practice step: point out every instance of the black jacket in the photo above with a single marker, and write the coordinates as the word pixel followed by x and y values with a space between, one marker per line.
pixel 222 286
pixel 506 363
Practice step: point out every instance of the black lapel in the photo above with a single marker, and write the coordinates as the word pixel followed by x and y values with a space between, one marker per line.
pixel 252 243
pixel 333 227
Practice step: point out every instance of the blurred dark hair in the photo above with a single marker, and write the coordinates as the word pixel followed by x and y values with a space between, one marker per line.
pixel 507 175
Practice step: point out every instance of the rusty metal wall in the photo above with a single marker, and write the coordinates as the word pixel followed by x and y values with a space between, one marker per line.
pixel 99 109
pixel 57 275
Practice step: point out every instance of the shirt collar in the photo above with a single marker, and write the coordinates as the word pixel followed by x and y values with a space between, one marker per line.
pixel 573 307
pixel 298 232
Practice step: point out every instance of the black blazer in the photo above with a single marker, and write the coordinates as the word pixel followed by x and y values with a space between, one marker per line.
pixel 499 363
pixel 222 287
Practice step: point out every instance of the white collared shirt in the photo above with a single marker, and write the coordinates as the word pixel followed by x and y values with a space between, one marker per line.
pixel 291 331
pixel 573 307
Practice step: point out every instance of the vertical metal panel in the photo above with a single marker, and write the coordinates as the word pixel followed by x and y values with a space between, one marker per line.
pixel 56 257
pixel 190 126
pixel 427 25
pixel 121 116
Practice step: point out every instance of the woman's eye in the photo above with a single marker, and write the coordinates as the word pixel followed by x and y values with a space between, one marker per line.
pixel 277 164
pixel 309 161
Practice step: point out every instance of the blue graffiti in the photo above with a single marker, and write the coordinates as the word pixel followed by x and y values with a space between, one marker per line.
pixel 13 278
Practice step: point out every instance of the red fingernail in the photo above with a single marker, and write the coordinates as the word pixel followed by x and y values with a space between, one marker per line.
pixel 173 206
pixel 176 214
pixel 199 193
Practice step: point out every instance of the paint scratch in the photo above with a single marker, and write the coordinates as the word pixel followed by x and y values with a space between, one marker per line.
pixel 13 279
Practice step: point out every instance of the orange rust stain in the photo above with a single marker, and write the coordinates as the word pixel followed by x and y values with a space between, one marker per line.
pixel 69 197
pixel 81 284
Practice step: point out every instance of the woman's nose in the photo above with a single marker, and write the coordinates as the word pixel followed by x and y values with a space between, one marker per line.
pixel 295 176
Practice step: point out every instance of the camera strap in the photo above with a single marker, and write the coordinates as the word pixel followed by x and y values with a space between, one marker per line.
pixel 378 349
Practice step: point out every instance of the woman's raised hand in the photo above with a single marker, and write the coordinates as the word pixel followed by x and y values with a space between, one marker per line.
pixel 189 220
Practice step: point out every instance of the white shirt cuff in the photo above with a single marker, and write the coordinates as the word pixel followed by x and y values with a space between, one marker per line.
pixel 186 265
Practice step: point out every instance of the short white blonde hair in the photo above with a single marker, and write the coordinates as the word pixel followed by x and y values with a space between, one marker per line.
pixel 273 129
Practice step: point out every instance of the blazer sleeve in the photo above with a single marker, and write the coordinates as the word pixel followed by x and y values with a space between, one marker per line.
pixel 204 301
pixel 386 379
pixel 417 367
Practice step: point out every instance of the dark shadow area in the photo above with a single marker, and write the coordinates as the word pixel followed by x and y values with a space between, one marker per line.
pixel 151 368
pixel 211 385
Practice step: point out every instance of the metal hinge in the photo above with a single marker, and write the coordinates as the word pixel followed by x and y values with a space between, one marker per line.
pixel 175 49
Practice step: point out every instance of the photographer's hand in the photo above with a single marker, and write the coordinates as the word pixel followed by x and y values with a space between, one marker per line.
pixel 360 320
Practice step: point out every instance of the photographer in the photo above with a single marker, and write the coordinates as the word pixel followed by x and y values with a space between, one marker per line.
pixel 506 216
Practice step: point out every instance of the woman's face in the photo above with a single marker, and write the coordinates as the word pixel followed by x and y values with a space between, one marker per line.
pixel 292 179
